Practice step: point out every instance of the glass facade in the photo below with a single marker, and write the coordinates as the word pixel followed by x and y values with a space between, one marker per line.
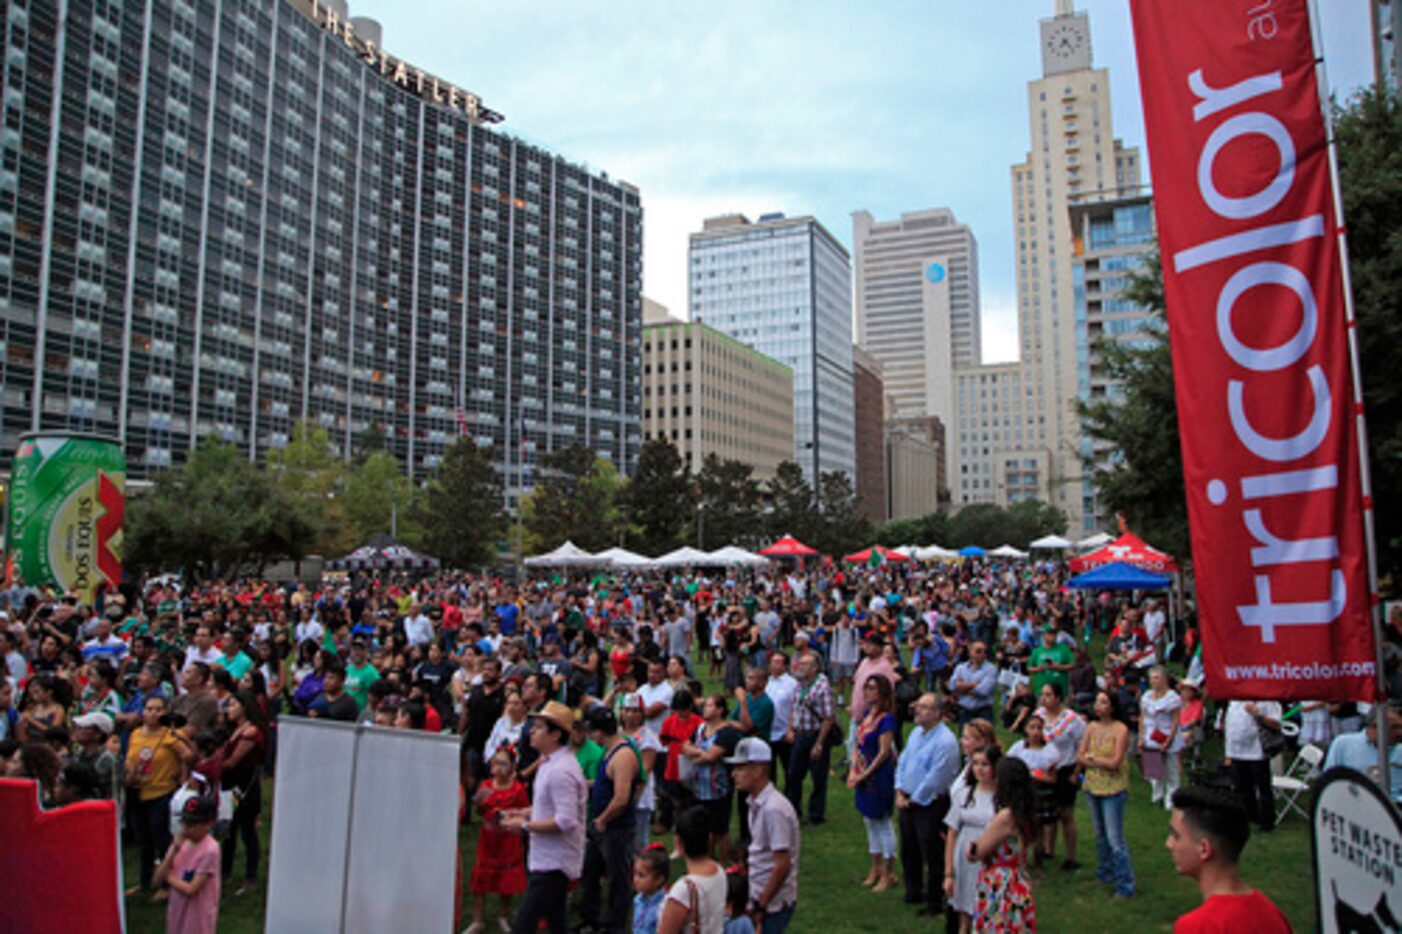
pixel 784 287
pixel 221 218
pixel 1112 238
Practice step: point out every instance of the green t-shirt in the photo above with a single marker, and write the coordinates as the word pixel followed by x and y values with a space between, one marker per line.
pixel 589 756
pixel 358 681
pixel 1058 654
pixel 237 666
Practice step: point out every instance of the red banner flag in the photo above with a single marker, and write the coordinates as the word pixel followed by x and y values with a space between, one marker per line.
pixel 1258 325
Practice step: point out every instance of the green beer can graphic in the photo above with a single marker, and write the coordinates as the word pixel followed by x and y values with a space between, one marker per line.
pixel 66 506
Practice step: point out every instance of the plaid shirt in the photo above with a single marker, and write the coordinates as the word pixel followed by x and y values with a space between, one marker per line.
pixel 812 706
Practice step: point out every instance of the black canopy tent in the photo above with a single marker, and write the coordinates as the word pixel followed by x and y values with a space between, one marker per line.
pixel 382 553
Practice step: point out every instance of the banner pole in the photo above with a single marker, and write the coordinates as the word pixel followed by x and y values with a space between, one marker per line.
pixel 1361 425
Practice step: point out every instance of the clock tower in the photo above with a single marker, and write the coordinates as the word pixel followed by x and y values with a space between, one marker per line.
pixel 1065 41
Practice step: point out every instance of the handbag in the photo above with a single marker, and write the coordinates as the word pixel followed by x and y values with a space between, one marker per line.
pixel 1272 742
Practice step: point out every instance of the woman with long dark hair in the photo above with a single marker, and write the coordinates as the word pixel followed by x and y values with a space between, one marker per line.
pixel 243 760
pixel 1005 903
pixel 873 778
pixel 970 811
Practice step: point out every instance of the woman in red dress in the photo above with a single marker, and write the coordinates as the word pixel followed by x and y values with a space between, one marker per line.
pixel 500 867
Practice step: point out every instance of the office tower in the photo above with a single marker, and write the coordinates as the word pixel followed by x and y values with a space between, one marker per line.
pixel 1109 240
pixel 783 286
pixel 892 259
pixel 869 404
pixel 917 301
pixel 1074 158
pixel 220 218
pixel 711 394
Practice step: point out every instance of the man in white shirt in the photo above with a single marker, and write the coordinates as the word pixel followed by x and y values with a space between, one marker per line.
pixel 1155 627
pixel 309 629
pixel 203 649
pixel 418 628
pixel 656 695
pixel 782 690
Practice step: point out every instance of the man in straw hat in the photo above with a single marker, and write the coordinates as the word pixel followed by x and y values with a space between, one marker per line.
pixel 555 822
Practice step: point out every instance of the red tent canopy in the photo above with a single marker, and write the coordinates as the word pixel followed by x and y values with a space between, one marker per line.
pixel 787 547
pixel 1128 549
pixel 874 555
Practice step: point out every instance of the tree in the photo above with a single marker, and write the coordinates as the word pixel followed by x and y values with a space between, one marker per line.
pixel 728 503
pixel 461 511
pixel 217 515
pixel 793 509
pixel 840 528
pixel 1138 467
pixel 308 472
pixel 931 529
pixel 379 498
pixel 577 500
pixel 1369 134
pixel 659 501
pixel 371 441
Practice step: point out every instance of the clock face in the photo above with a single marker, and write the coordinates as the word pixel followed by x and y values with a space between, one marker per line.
pixel 1065 41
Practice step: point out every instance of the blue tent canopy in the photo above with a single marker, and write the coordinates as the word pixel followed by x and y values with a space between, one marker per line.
pixel 972 551
pixel 1119 576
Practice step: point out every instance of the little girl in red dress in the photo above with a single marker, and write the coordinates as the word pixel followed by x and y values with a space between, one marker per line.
pixel 500 867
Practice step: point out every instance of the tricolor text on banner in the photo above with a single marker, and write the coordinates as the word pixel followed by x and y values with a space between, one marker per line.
pixel 1257 325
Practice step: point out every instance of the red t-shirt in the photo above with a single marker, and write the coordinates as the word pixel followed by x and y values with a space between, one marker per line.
pixel 1232 914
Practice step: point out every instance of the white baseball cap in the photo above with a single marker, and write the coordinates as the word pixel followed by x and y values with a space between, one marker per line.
pixel 751 749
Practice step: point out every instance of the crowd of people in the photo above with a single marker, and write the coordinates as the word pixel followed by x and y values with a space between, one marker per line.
pixel 615 728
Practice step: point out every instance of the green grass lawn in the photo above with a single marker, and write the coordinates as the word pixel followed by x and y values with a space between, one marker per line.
pixel 834 860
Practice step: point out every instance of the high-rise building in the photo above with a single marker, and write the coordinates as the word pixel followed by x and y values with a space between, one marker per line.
pixel 869 404
pixel 917 303
pixel 219 218
pixel 1074 158
pixel 1109 239
pixel 711 394
pixel 783 286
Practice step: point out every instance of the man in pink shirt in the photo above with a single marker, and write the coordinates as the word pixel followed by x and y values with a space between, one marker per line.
pixel 555 823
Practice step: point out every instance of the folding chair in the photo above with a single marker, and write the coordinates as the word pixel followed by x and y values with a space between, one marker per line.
pixel 1296 781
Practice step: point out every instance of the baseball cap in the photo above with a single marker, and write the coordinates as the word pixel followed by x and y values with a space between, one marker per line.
pixel 199 810
pixel 633 702
pixel 97 719
pixel 751 749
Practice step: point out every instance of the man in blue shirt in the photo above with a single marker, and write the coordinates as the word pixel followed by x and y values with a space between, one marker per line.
pixel 973 683
pixel 1359 751
pixel 926 769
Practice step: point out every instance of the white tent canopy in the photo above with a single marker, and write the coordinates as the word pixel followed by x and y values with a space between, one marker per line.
pixel 1098 540
pixel 1008 551
pixel 734 556
pixel 623 558
pixel 932 553
pixel 1055 542
pixel 685 557
pixel 568 555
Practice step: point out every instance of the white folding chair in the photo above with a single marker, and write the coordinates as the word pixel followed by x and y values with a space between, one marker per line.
pixel 1296 781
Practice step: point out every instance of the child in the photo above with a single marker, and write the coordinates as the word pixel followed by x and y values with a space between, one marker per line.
pixel 650 875
pixel 500 867
pixel 737 896
pixel 1041 760
pixel 191 869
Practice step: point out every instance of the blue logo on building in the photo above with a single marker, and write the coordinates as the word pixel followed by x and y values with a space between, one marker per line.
pixel 935 272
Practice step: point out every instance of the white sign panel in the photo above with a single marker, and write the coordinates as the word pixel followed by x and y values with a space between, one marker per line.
pixel 364 835
pixel 1357 838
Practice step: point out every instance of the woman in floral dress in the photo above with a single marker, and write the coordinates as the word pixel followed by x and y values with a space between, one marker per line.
pixel 1005 903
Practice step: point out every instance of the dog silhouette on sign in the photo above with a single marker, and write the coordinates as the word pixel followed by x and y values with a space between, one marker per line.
pixel 1350 920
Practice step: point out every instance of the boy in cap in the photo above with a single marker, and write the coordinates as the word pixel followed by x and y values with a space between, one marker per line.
pixel 191 870
pixel 91 731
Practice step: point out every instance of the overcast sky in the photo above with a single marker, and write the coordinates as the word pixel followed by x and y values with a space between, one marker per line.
pixel 815 107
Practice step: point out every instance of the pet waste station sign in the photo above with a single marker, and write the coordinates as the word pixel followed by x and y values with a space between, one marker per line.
pixel 1356 834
